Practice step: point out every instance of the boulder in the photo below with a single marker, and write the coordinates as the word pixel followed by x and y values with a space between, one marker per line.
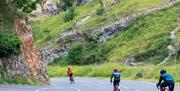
pixel 139 75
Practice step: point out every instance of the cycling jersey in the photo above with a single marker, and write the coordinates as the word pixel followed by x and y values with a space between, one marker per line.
pixel 69 72
pixel 168 81
pixel 116 75
pixel 166 77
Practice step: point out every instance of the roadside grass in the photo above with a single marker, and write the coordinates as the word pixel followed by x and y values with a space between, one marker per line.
pixel 15 80
pixel 51 27
pixel 151 72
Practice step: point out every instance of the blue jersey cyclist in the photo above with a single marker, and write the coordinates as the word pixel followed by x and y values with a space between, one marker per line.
pixel 168 81
pixel 116 76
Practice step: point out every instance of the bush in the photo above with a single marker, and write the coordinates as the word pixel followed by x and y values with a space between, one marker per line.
pixel 9 43
pixel 100 11
pixel 75 55
pixel 69 15
pixel 85 54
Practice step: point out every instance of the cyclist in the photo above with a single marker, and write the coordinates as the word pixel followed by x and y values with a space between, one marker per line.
pixel 116 75
pixel 168 81
pixel 70 73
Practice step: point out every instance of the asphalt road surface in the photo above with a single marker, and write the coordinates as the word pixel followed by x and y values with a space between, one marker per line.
pixel 84 84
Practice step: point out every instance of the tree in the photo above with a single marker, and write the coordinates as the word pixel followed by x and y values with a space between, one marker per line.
pixel 16 10
pixel 69 15
pixel 9 43
pixel 75 55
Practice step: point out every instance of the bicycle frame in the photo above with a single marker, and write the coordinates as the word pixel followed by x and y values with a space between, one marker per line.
pixel 166 89
pixel 117 88
pixel 71 80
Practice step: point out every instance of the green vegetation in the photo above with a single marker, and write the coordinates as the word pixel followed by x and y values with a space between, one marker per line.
pixel 75 55
pixel 9 43
pixel 69 16
pixel 100 11
pixel 151 72
pixel 6 79
pixel 146 39
pixel 122 9
pixel 14 80
pixel 10 10
pixel 84 54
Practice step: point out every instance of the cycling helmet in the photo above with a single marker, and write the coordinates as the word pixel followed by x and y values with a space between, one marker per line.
pixel 115 70
pixel 162 71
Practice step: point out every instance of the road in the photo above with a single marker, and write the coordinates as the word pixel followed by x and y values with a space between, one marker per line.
pixel 84 84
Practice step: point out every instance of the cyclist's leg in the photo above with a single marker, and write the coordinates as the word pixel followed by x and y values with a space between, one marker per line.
pixel 116 84
pixel 171 87
pixel 72 78
pixel 163 85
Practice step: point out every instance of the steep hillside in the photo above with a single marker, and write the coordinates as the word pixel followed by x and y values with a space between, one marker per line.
pixel 147 38
pixel 51 27
pixel 144 40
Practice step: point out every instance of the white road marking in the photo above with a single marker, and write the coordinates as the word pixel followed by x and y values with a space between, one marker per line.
pixel 57 88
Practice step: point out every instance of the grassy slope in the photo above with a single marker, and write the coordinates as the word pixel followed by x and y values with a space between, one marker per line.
pixel 56 26
pixel 121 10
pixel 151 72
pixel 147 38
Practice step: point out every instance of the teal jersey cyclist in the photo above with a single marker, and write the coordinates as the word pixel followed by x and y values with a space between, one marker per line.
pixel 168 81
pixel 116 76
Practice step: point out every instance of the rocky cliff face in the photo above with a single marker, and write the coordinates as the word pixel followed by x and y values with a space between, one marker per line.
pixel 14 65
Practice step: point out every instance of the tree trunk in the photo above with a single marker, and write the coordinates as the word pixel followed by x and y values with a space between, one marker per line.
pixel 31 53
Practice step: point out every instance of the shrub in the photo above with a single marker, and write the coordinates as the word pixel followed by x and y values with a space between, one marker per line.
pixel 9 43
pixel 100 11
pixel 75 55
pixel 69 15
pixel 85 54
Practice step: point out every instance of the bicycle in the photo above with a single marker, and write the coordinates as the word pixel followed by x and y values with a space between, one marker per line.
pixel 71 80
pixel 165 89
pixel 116 87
